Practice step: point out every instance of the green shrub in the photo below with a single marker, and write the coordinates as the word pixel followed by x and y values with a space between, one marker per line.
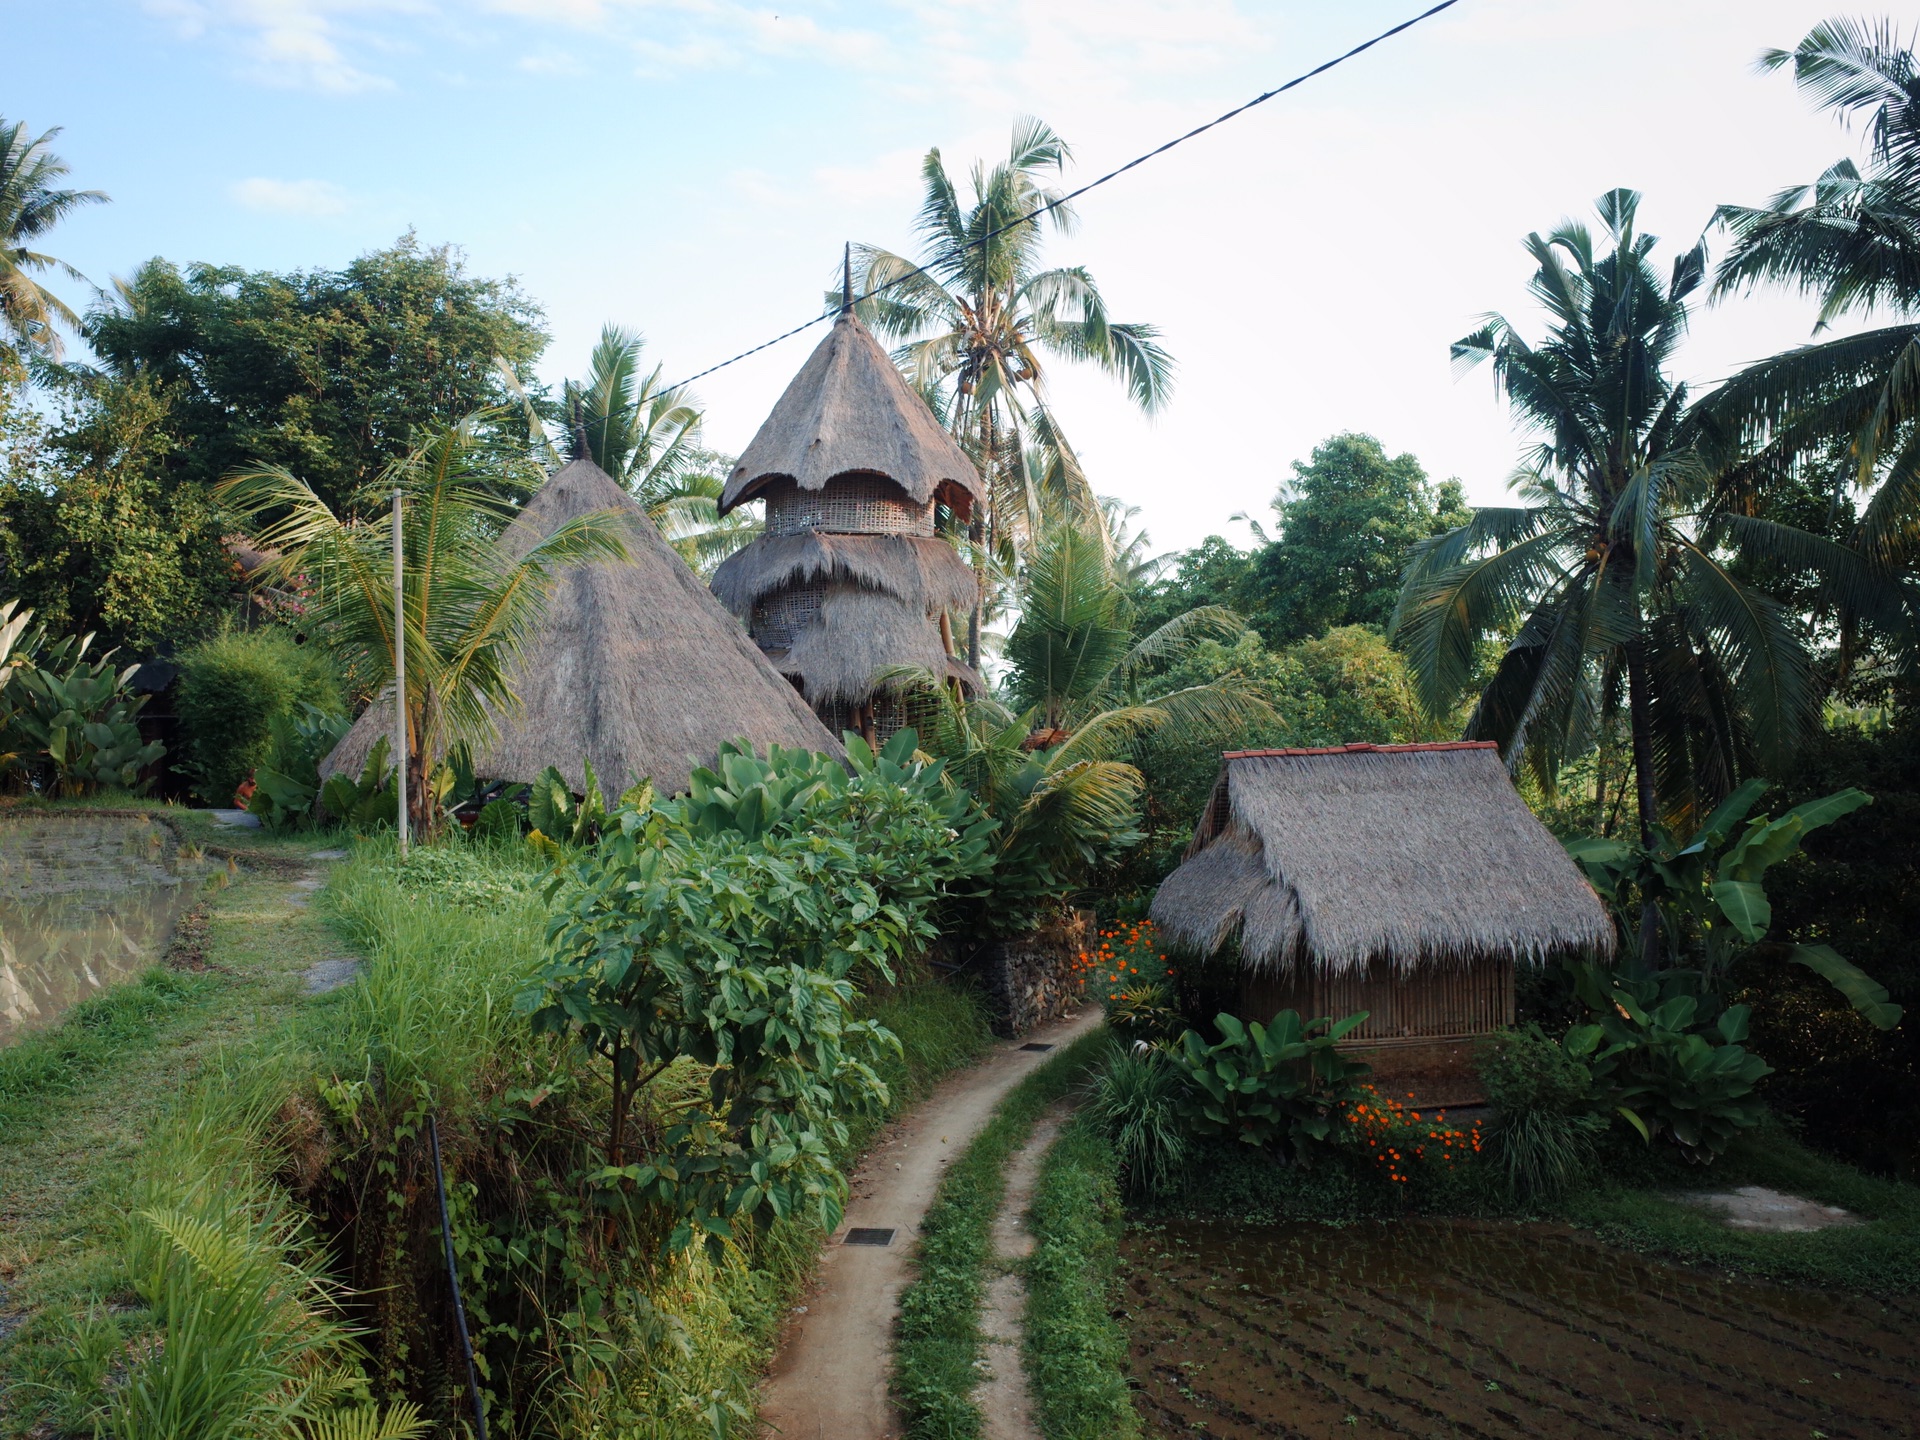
pixel 288 781
pixel 1278 1085
pixel 232 689
pixel 1544 1124
pixel 1135 1101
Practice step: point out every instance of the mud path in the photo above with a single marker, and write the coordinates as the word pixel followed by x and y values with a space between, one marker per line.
pixel 829 1379
pixel 1006 1405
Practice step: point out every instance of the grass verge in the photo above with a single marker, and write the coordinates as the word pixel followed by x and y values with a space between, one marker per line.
pixel 1076 1352
pixel 939 1339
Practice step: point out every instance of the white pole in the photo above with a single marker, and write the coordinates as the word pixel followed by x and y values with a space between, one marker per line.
pixel 399 680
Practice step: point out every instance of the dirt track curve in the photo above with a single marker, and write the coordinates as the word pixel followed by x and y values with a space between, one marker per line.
pixel 829 1379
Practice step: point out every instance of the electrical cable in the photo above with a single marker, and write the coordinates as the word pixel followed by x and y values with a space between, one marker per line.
pixel 1033 215
pixel 453 1280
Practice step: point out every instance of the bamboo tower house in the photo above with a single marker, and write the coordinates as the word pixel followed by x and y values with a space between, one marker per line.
pixel 1408 881
pixel 850 579
pixel 635 667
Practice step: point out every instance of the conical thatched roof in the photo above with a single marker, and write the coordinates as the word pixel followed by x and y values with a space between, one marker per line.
pixel 636 667
pixel 849 411
pixel 1414 855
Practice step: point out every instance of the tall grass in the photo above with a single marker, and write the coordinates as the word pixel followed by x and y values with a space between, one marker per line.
pixel 1132 1099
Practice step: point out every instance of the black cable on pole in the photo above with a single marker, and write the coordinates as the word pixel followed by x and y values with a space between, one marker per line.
pixel 1071 195
pixel 453 1279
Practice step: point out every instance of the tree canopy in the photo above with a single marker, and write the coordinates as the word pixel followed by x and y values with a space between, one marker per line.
pixel 334 374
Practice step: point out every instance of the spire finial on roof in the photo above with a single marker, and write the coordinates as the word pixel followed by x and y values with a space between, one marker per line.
pixel 846 279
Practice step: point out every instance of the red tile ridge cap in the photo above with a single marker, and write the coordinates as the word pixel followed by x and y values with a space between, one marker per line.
pixel 1362 749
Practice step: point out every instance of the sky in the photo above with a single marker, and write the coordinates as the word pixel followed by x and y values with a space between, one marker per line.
pixel 691 168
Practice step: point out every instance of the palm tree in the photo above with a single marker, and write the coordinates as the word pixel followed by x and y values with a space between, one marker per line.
pixel 1846 409
pixel 29 208
pixel 977 318
pixel 648 438
pixel 1613 582
pixel 469 609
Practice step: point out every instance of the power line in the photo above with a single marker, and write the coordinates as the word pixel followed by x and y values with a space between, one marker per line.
pixel 1033 215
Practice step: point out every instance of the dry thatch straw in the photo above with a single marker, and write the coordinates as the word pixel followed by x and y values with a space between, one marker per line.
pixel 849 411
pixel 636 666
pixel 926 574
pixel 860 635
pixel 1407 855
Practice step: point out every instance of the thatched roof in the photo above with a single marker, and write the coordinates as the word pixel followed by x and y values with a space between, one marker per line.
pixel 1412 854
pixel 849 411
pixel 926 573
pixel 859 635
pixel 636 666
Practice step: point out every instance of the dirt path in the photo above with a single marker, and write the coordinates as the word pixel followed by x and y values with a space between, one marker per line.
pixel 829 1380
pixel 1006 1405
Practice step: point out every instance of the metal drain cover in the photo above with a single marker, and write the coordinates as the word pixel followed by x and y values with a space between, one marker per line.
pixel 863 1236
pixel 1030 1045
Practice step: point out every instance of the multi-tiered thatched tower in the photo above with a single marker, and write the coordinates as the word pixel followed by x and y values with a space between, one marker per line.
pixel 851 579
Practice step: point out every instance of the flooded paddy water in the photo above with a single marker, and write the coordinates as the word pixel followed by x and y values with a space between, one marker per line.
pixel 86 901
pixel 1438 1328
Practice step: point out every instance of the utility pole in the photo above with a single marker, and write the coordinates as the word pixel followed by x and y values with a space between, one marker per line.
pixel 399 679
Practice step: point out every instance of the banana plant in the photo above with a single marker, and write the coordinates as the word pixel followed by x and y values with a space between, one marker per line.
pixel 14 656
pixel 80 714
pixel 560 823
pixel 1711 896
pixel 287 785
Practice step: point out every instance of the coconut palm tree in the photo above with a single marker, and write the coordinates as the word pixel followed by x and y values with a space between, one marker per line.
pixel 1846 409
pixel 1614 583
pixel 978 318
pixel 469 608
pixel 30 206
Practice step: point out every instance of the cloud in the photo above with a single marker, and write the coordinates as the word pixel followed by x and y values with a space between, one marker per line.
pixel 295 44
pixel 311 198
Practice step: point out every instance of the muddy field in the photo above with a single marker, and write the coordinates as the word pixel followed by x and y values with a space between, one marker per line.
pixel 1448 1329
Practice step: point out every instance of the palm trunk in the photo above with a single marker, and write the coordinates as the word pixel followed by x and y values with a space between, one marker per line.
pixel 1640 724
pixel 982 537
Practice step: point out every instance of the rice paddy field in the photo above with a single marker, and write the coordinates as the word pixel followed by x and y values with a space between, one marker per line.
pixel 1446 1328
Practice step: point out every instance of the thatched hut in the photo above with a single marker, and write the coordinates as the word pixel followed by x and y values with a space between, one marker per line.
pixel 635 667
pixel 851 578
pixel 1408 881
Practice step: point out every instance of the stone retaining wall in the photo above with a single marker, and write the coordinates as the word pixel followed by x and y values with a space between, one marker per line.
pixel 1031 979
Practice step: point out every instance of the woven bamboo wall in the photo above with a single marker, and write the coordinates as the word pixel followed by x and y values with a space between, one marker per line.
pixel 779 617
pixel 850 505
pixel 1436 1002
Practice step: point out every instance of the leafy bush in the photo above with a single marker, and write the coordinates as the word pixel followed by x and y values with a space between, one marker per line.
pixel 1543 1100
pixel 1664 1071
pixel 367 801
pixel 1274 1086
pixel 727 929
pixel 78 717
pixel 232 688
pixel 1136 1101
pixel 1400 1143
pixel 287 783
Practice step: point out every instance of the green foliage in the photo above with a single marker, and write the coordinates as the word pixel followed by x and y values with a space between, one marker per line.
pixel 1144 1013
pixel 1665 1071
pixel 1349 520
pixel 234 688
pixel 1276 1086
pixel 76 719
pixel 1075 1342
pixel 1544 1122
pixel 728 929
pixel 937 1335
pixel 333 374
pixel 287 783
pixel 31 204
pixel 368 800
pixel 1136 1100
pixel 98 534
pixel 1710 895
pixel 557 822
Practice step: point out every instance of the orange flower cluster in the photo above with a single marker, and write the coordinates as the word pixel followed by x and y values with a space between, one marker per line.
pixel 1396 1137
pixel 1126 957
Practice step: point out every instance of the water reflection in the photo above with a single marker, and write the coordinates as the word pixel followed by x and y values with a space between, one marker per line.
pixel 86 901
